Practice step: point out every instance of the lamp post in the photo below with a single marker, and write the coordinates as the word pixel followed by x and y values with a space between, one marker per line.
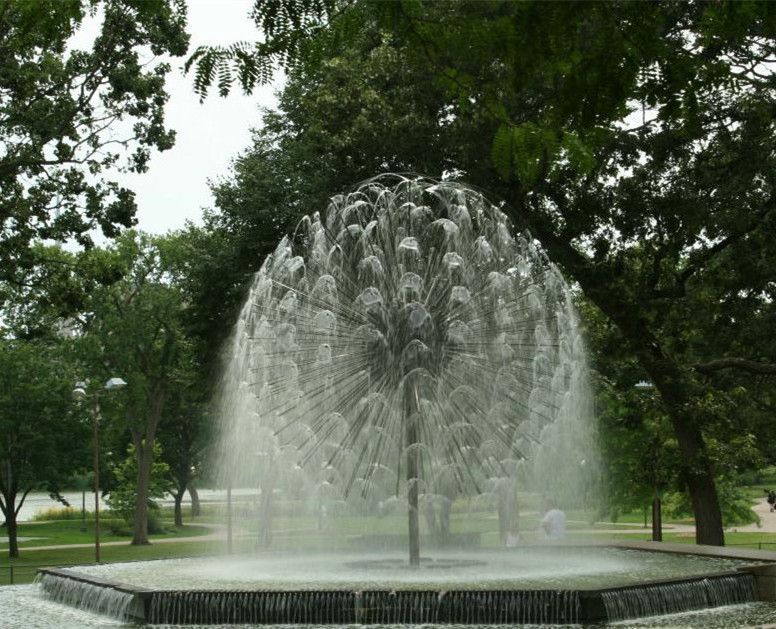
pixel 79 395
pixel 657 517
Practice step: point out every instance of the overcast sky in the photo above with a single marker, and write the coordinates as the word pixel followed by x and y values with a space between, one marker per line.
pixel 209 134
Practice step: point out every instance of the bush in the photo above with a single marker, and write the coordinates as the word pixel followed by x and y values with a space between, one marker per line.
pixel 119 527
pixel 60 513
pixel 123 497
pixel 736 506
pixel 155 526
pixel 122 527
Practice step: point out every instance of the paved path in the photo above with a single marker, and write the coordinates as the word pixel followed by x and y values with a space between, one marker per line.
pixel 767 520
pixel 767 524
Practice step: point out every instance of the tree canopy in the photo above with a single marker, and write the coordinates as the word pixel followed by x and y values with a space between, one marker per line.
pixel 133 327
pixel 42 435
pixel 68 115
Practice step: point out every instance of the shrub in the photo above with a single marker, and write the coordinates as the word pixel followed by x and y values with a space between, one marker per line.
pixel 60 513
pixel 123 497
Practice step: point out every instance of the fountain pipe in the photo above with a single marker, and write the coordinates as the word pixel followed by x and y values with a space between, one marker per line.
pixel 229 517
pixel 411 411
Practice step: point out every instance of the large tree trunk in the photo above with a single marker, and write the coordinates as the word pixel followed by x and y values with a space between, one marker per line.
pixel 700 483
pixel 196 506
pixel 676 391
pixel 13 539
pixel 9 512
pixel 144 453
pixel 178 506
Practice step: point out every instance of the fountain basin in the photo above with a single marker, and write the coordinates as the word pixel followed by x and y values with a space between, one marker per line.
pixel 559 585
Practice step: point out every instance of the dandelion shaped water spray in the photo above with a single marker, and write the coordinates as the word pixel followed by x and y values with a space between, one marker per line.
pixel 405 348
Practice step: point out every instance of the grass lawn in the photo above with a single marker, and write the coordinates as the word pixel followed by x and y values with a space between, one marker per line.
pixel 26 566
pixel 56 532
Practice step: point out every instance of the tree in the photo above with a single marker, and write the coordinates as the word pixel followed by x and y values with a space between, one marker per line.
pixel 122 498
pixel 634 140
pixel 184 432
pixel 40 430
pixel 67 115
pixel 133 328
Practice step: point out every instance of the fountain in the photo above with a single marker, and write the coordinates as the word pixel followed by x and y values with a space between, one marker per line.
pixel 405 345
pixel 405 387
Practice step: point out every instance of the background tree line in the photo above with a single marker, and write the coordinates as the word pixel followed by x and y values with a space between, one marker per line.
pixel 634 140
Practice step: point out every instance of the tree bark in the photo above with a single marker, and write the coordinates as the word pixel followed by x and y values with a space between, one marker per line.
pixel 196 506
pixel 144 462
pixel 9 488
pixel 13 539
pixel 8 505
pixel 144 451
pixel 182 481
pixel 178 507
pixel 700 482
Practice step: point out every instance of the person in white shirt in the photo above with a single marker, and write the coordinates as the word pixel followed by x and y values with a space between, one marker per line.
pixel 553 524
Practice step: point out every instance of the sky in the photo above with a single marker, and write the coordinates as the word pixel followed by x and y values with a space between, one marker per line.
pixel 209 134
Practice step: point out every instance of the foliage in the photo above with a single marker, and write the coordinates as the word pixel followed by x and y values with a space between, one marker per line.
pixel 46 298
pixel 122 499
pixel 53 514
pixel 288 24
pixel 68 114
pixel 40 430
pixel 133 328
pixel 736 504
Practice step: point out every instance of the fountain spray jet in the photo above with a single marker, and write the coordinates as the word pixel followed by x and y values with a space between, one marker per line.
pixel 406 342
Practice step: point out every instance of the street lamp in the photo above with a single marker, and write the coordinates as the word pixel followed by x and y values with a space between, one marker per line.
pixel 657 517
pixel 80 393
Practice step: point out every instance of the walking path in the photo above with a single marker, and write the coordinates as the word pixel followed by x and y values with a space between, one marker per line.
pixel 767 524
pixel 767 520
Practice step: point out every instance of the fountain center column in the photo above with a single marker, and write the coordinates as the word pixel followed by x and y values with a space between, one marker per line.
pixel 411 412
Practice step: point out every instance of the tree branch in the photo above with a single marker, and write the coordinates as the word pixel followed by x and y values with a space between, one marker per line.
pixel 743 364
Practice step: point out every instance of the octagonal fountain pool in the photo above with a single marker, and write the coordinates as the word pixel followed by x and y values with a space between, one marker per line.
pixel 556 585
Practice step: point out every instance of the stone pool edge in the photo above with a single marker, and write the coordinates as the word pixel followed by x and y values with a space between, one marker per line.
pixel 588 600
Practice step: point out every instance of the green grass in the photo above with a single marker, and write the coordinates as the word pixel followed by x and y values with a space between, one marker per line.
pixel 27 564
pixel 765 541
pixel 57 532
